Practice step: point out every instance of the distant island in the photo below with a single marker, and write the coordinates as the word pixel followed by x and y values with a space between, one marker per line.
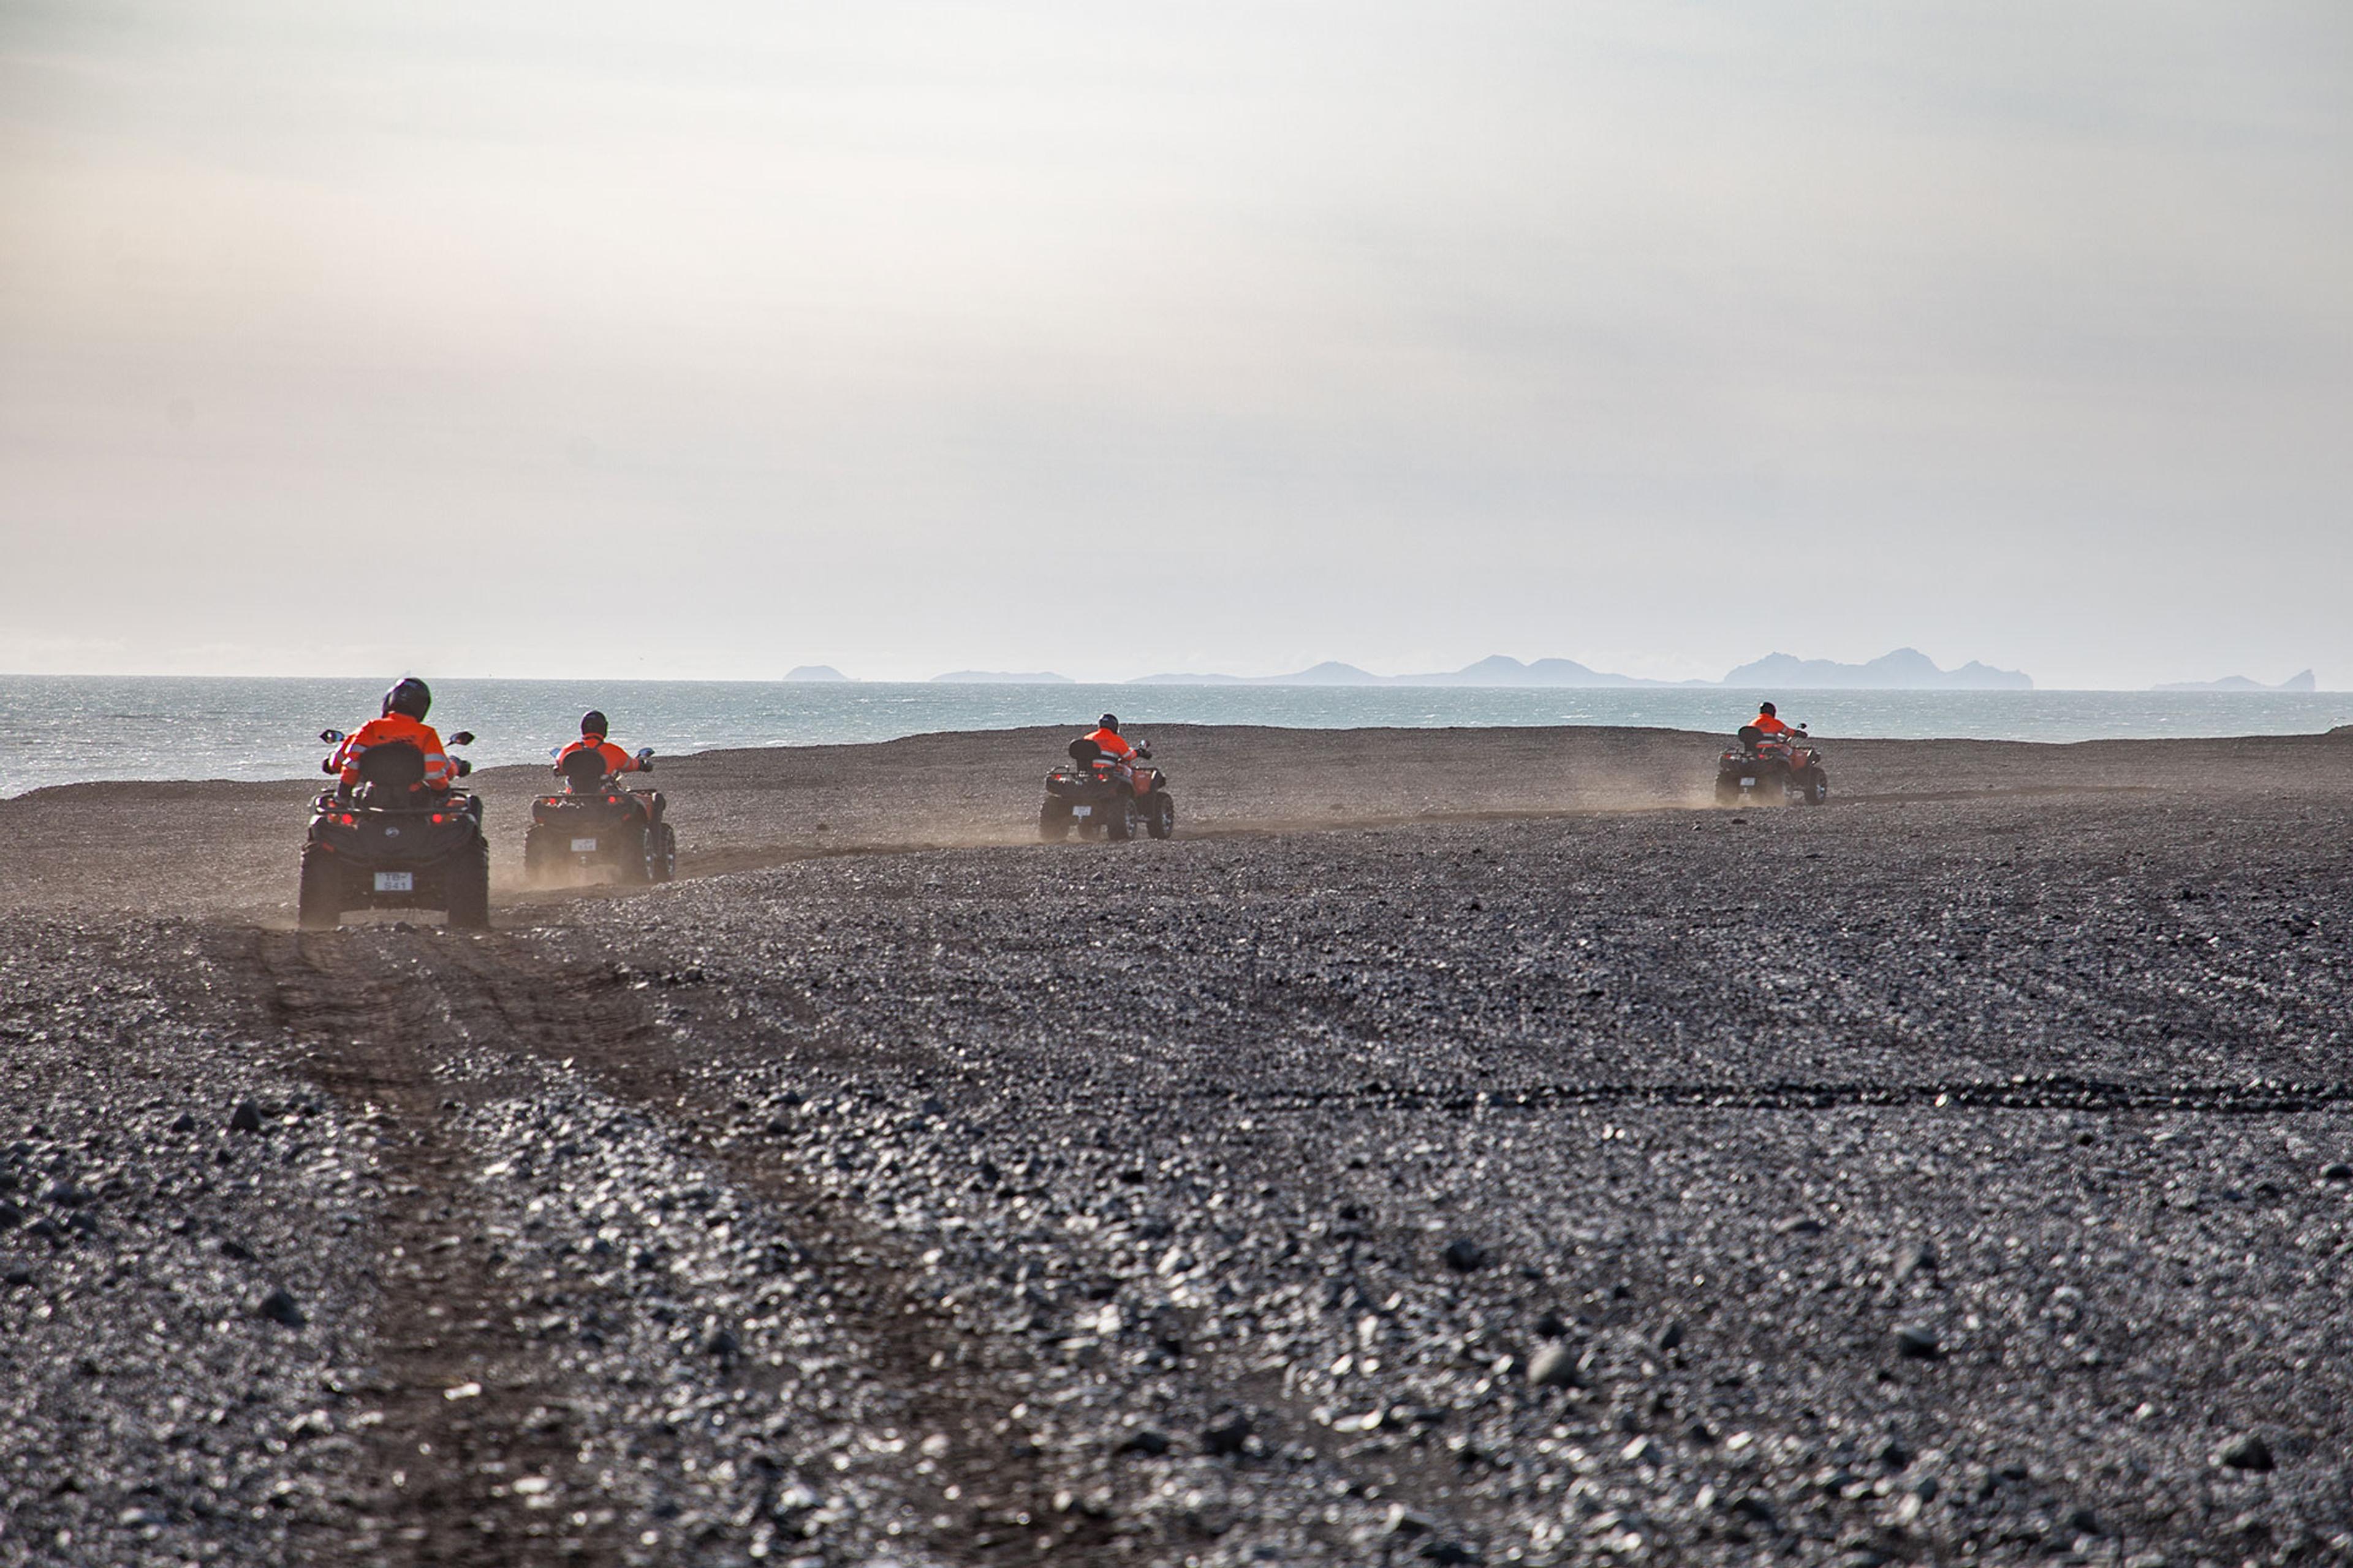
pixel 1905 669
pixel 2303 680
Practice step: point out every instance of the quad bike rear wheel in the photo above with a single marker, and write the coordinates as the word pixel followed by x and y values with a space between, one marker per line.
pixel 468 897
pixel 1054 819
pixel 538 852
pixel 1727 792
pixel 317 903
pixel 662 853
pixel 1160 819
pixel 1119 819
pixel 636 859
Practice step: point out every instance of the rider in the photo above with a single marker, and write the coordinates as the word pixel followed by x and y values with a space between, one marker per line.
pixel 592 738
pixel 402 718
pixel 1112 743
pixel 1767 722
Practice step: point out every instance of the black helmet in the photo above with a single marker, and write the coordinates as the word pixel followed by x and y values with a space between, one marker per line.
pixel 1110 721
pixel 1767 708
pixel 411 697
pixel 592 723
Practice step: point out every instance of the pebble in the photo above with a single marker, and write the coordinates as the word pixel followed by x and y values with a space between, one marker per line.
pixel 2245 1452
pixel 1404 1521
pixel 1917 1343
pixel 1555 1366
pixel 245 1118
pixel 2336 1171
pixel 1145 1440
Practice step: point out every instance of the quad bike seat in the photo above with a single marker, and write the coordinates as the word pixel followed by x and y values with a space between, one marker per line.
pixel 583 771
pixel 389 773
pixel 1086 754
pixel 1750 734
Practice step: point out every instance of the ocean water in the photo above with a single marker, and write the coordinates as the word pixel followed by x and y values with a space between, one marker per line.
pixel 69 728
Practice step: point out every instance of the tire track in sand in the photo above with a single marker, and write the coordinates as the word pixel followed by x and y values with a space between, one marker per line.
pixel 431 1492
pixel 385 1019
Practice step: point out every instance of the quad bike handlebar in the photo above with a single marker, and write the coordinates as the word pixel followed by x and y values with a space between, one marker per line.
pixel 336 738
pixel 645 756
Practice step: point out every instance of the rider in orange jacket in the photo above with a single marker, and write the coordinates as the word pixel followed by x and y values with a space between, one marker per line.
pixel 592 738
pixel 402 718
pixel 1112 743
pixel 1767 722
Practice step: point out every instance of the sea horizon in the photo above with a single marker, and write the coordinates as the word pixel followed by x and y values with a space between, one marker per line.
pixel 60 730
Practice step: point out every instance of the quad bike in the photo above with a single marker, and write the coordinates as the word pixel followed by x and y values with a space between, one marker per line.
pixel 1096 790
pixel 387 842
pixel 597 823
pixel 1787 767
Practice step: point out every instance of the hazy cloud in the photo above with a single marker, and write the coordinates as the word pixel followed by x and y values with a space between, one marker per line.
pixel 896 336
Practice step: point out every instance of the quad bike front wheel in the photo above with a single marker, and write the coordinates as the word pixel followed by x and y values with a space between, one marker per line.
pixel 1160 820
pixel 468 898
pixel 1817 790
pixel 318 901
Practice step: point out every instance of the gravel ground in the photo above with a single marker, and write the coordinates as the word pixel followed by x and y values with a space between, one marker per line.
pixel 1963 1171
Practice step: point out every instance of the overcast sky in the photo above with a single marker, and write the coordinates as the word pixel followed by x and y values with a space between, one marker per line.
pixel 599 337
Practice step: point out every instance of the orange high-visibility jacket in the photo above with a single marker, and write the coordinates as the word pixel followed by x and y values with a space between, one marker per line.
pixel 1769 724
pixel 616 761
pixel 438 771
pixel 1112 743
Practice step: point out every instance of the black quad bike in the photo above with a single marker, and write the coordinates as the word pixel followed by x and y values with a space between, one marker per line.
pixel 596 823
pixel 1758 766
pixel 1097 792
pixel 387 842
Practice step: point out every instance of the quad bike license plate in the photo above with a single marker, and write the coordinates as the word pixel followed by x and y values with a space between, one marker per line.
pixel 396 882
pixel 1746 783
pixel 1082 811
pixel 584 846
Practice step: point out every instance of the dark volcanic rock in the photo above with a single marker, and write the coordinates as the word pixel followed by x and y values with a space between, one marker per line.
pixel 1227 1435
pixel 279 1307
pixel 1465 1256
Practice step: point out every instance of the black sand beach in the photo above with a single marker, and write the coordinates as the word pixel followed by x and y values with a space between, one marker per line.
pixel 1454 1147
